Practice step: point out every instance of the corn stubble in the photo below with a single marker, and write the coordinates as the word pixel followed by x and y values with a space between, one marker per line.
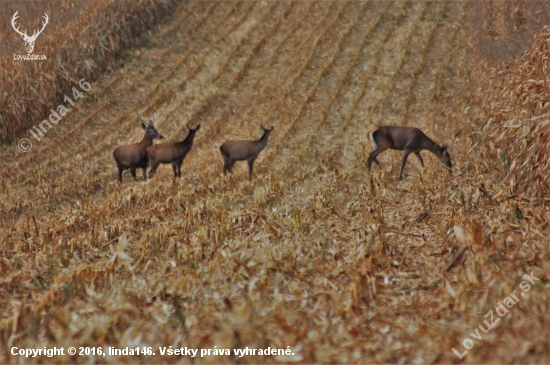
pixel 313 254
pixel 81 41
pixel 514 102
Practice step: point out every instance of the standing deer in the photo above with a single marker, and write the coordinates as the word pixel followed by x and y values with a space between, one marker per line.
pixel 134 156
pixel 407 139
pixel 173 153
pixel 233 151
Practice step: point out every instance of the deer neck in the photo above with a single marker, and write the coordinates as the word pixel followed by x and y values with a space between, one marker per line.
pixel 432 147
pixel 262 142
pixel 189 139
pixel 147 141
pixel 265 137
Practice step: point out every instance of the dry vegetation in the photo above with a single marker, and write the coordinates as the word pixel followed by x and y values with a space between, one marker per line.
pixel 310 254
pixel 512 102
pixel 73 48
pixel 504 29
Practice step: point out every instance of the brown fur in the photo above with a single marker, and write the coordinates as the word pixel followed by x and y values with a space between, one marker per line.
pixel 173 153
pixel 407 139
pixel 134 156
pixel 233 151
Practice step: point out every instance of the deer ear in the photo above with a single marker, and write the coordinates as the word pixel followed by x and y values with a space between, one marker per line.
pixel 143 125
pixel 272 128
pixel 444 147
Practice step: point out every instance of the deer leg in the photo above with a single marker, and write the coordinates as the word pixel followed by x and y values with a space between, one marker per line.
pixel 225 164
pixel 231 164
pixel 154 166
pixel 175 168
pixel 144 173
pixel 133 171
pixel 405 156
pixel 179 169
pixel 419 158
pixel 372 157
pixel 250 168
pixel 120 170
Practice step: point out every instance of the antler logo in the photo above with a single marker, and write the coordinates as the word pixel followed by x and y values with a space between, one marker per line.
pixel 29 41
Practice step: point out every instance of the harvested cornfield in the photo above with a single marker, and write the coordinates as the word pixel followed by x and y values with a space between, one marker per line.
pixel 81 41
pixel 514 102
pixel 504 29
pixel 313 256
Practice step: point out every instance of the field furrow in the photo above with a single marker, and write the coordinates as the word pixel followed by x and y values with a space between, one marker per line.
pixel 287 65
pixel 430 77
pixel 245 120
pixel 213 89
pixel 329 134
pixel 251 82
pixel 392 109
pixel 95 161
pixel 377 105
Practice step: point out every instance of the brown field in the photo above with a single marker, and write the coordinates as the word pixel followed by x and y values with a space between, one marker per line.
pixel 80 40
pixel 312 255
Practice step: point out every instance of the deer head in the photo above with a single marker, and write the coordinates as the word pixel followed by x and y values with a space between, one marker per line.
pixel 150 128
pixel 29 41
pixel 445 157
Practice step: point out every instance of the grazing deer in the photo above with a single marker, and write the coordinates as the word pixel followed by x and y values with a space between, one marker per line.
pixel 173 153
pixel 407 139
pixel 134 156
pixel 233 151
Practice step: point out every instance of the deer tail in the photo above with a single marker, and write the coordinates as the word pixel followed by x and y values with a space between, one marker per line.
pixel 373 144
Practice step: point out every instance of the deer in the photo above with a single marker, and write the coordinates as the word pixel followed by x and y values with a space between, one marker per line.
pixel 406 139
pixel 233 151
pixel 173 153
pixel 29 41
pixel 134 156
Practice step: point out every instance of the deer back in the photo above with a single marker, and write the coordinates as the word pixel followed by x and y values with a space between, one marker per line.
pixel 241 150
pixel 167 152
pixel 132 154
pixel 398 137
